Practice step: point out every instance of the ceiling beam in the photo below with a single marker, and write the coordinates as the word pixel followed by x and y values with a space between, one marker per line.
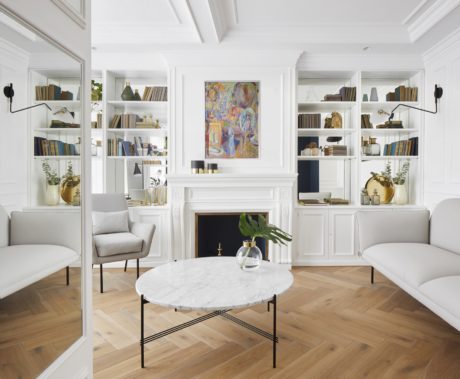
pixel 209 18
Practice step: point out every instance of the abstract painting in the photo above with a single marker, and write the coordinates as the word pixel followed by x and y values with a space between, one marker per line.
pixel 232 119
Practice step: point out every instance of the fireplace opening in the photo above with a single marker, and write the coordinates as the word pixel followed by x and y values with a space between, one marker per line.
pixel 218 234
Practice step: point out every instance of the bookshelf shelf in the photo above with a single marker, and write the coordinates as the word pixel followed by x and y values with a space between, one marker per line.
pixel 307 132
pixel 389 158
pixel 388 132
pixel 325 158
pixel 58 157
pixel 139 104
pixel 58 130
pixel 71 105
pixel 144 131
pixel 371 106
pixel 325 106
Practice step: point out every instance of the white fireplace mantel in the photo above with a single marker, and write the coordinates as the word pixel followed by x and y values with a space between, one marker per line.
pixel 216 193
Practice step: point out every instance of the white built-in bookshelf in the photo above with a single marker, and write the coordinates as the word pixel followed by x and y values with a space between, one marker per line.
pixel 345 176
pixel 113 171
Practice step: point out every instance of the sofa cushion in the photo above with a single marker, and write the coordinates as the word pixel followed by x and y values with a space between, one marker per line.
pixel 4 227
pixel 445 293
pixel 414 263
pixel 117 243
pixel 444 231
pixel 110 222
pixel 22 265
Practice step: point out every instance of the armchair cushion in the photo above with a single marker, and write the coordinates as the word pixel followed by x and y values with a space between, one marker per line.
pixel 413 263
pixel 117 243
pixel 110 222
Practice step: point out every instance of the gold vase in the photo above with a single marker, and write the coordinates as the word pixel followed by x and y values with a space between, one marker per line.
pixel 385 188
pixel 70 187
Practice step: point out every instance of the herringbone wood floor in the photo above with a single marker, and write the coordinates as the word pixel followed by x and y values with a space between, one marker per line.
pixel 332 324
pixel 39 323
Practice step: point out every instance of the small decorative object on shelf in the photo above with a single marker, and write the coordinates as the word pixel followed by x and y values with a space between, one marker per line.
pixel 382 183
pixel 212 168
pixel 374 95
pixel 375 198
pixel 365 97
pixel 400 197
pixel 373 147
pixel 249 255
pixel 70 186
pixel 365 198
pixel 197 167
pixel 136 96
pixel 334 122
pixel 52 184
pixel 127 94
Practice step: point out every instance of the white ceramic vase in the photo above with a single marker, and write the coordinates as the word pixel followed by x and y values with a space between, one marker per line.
pixel 52 194
pixel 400 196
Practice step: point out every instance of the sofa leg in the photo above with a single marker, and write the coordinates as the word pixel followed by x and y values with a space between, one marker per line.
pixel 126 264
pixel 67 275
pixel 137 267
pixel 372 275
pixel 101 280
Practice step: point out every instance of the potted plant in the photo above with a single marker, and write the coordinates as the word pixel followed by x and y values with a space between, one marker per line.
pixel 249 255
pixel 52 184
pixel 400 196
pixel 96 91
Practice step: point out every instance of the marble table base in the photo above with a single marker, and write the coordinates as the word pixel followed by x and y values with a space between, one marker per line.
pixel 222 313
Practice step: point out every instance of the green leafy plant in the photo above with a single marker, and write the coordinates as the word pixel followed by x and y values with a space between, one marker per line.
pixel 69 172
pixel 96 91
pixel 401 175
pixel 52 178
pixel 259 228
pixel 383 177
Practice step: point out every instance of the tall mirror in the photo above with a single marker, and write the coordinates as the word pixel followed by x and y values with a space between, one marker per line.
pixel 40 216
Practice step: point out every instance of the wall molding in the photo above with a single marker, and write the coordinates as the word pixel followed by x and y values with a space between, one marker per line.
pixel 79 17
pixel 442 47
pixel 430 17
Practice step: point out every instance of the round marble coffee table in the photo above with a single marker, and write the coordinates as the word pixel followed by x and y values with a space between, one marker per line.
pixel 214 284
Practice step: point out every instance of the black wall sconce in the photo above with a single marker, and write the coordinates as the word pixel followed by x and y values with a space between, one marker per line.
pixel 9 93
pixel 437 95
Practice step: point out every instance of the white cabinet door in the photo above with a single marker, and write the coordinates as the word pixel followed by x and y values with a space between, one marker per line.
pixel 311 236
pixel 342 242
pixel 159 251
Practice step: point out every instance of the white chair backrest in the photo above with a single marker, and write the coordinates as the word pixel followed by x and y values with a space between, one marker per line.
pixel 445 225
pixel 109 202
pixel 4 227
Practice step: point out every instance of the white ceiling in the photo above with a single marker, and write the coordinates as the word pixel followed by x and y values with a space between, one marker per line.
pixel 398 26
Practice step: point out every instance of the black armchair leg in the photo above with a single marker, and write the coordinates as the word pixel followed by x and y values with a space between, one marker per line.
pixel 137 267
pixel 67 275
pixel 101 280
pixel 372 275
pixel 126 264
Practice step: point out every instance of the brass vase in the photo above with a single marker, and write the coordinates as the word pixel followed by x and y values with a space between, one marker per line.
pixel 385 188
pixel 70 187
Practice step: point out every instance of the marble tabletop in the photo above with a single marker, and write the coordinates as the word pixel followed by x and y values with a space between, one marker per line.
pixel 210 284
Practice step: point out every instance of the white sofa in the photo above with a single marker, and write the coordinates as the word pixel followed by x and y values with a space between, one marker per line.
pixel 418 253
pixel 34 245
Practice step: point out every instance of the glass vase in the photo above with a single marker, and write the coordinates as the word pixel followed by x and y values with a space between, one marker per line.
pixel 249 256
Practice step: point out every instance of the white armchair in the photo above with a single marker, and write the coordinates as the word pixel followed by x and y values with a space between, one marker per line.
pixel 119 241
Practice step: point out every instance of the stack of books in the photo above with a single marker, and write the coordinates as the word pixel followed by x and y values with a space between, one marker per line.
pixel 333 97
pixel 366 122
pixel 309 121
pixel 403 93
pixel 124 121
pixel 335 150
pixel 43 147
pixel 393 124
pixel 402 148
pixel 155 94
pixel 51 92
pixel 348 93
pixel 63 125
pixel 118 147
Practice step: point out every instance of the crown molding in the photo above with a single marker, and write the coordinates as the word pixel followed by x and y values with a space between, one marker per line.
pixel 430 17
pixel 13 51
pixel 442 47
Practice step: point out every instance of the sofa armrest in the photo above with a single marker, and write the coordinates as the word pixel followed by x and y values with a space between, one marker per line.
pixel 144 231
pixel 375 227
pixel 46 228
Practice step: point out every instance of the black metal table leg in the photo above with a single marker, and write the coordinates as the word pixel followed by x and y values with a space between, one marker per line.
pixel 274 331
pixel 372 275
pixel 67 275
pixel 142 331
